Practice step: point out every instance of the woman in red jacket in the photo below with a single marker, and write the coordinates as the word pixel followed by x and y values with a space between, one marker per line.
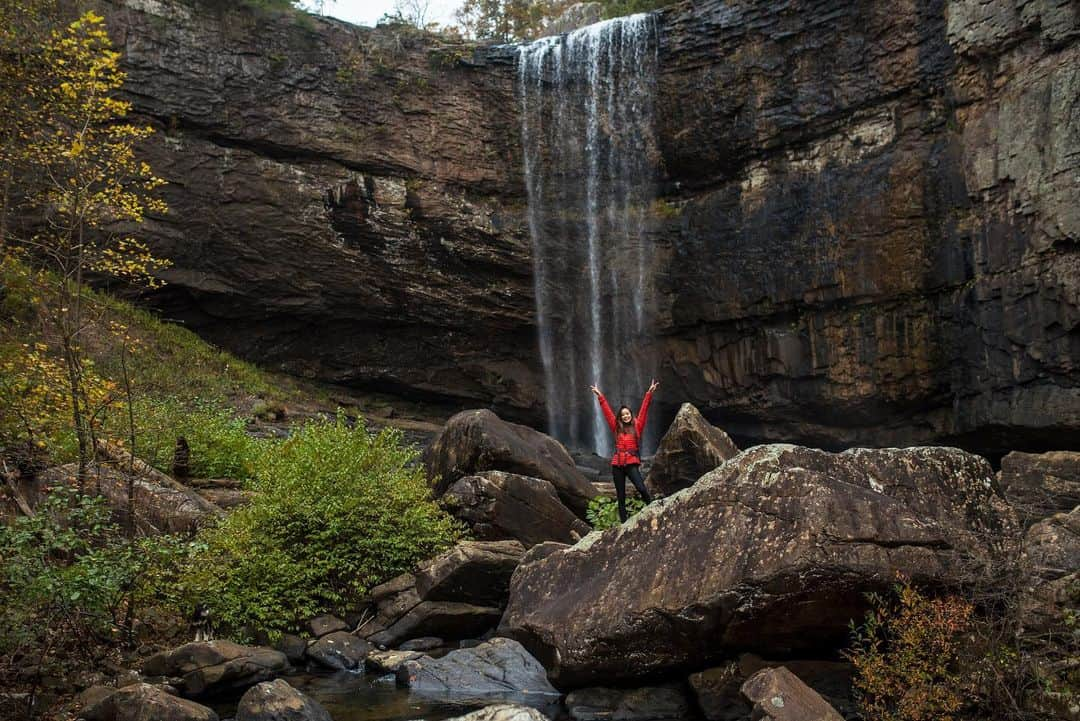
pixel 627 459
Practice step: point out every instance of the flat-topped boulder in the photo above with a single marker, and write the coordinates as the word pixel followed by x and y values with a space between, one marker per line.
pixel 1052 556
pixel 690 448
pixel 474 572
pixel 1041 484
pixel 206 668
pixel 772 552
pixel 498 505
pixel 478 440
pixel 499 667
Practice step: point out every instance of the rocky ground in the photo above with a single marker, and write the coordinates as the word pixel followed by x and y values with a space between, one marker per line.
pixel 733 591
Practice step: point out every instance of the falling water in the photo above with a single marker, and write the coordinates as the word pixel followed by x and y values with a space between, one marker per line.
pixel 587 132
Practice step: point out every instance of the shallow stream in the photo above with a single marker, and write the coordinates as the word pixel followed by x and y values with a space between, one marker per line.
pixel 351 696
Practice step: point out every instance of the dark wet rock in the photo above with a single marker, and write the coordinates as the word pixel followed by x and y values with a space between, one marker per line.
pixel 778 695
pixel 278 701
pixel 651 703
pixel 1052 556
pixel 389 661
pixel 143 702
pixel 292 646
pixel 425 643
pixel 447 619
pixel 475 441
pixel 500 666
pixel 473 572
pixel 159 508
pixel 322 625
pixel 212 667
pixel 498 505
pixel 503 712
pixel 339 650
pixel 1041 484
pixel 690 448
pixel 771 552
pixel 717 689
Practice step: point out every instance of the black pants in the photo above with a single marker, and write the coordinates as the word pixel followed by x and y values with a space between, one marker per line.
pixel 619 474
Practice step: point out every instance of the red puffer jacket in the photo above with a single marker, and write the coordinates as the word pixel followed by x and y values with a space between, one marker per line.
pixel 627 445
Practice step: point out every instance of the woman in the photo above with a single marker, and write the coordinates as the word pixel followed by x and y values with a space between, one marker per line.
pixel 627 460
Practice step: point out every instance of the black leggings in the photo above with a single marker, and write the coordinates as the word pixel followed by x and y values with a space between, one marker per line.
pixel 619 474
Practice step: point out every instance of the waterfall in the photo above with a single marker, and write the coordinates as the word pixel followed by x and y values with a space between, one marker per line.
pixel 589 149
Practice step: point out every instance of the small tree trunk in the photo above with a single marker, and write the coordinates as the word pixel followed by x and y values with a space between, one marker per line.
pixel 131 446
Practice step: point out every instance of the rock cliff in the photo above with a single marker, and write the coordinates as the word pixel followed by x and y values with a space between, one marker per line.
pixel 867 231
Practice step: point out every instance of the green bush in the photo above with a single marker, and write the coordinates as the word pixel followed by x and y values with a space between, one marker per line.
pixel 338 510
pixel 603 512
pixel 219 442
pixel 72 587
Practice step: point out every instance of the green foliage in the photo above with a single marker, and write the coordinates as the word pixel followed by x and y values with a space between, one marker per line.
pixel 71 587
pixel 603 512
pixel 219 442
pixel 338 511
pixel 907 656
pixel 619 8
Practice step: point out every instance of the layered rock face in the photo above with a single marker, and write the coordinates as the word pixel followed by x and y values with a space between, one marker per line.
pixel 867 232
pixel 772 553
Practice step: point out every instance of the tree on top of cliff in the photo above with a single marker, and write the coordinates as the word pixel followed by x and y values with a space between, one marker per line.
pixel 508 20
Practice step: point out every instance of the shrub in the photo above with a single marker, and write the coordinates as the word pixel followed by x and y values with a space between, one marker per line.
pixel 338 510
pixel 71 588
pixel 907 657
pixel 218 439
pixel 603 512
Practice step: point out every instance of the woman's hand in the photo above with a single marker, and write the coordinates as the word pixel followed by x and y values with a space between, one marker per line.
pixel 655 384
pixel 595 390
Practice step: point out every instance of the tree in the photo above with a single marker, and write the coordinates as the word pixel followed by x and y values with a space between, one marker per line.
pixel 508 20
pixel 414 12
pixel 86 188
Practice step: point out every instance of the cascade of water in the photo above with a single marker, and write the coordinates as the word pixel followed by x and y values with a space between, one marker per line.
pixel 587 132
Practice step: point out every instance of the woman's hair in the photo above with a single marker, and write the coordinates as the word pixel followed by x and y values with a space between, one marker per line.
pixel 625 427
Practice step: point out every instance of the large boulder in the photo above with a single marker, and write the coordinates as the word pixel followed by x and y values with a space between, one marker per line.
pixel 278 701
pixel 478 440
pixel 1041 484
pixel 447 619
pixel 778 695
pixel 499 667
pixel 498 505
pixel 160 507
pixel 772 552
pixel 473 572
pixel 339 650
pixel 718 689
pixel 690 448
pixel 143 702
pixel 211 667
pixel 1052 553
pixel 650 703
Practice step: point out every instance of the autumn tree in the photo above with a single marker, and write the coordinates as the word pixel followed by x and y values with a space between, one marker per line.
pixel 87 191
pixel 508 20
